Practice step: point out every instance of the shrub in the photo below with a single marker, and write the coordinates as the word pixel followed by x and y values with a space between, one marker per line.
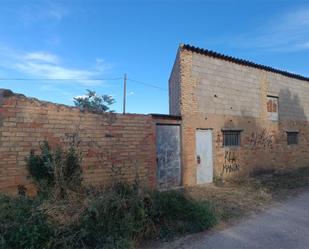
pixel 60 169
pixel 174 213
pixel 22 224
pixel 115 219
pixel 41 166
pixel 67 170
pixel 121 216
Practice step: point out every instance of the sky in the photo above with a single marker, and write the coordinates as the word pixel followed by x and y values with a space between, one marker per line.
pixel 55 50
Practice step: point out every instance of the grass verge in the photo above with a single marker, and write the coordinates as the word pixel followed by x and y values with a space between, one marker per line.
pixel 123 216
pixel 118 217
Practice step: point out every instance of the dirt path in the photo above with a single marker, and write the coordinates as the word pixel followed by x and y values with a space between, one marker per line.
pixel 283 226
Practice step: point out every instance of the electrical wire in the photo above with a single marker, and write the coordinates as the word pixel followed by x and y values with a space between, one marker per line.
pixel 82 79
pixel 55 79
pixel 147 84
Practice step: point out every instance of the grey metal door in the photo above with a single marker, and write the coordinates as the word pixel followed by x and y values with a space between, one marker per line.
pixel 204 170
pixel 168 156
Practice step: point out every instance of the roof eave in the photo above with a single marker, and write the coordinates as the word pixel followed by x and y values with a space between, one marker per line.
pixel 214 54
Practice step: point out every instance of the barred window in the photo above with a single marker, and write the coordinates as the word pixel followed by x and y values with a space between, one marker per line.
pixel 292 138
pixel 231 138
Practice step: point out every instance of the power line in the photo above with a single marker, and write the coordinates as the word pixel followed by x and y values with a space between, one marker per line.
pixel 124 92
pixel 83 79
pixel 147 84
pixel 55 79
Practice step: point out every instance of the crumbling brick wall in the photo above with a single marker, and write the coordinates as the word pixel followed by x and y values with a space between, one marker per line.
pixel 114 146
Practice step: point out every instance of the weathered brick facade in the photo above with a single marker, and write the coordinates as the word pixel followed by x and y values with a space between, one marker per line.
pixel 210 91
pixel 217 92
pixel 113 145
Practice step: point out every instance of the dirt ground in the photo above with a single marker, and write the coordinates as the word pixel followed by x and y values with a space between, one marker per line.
pixel 234 201
pixel 284 225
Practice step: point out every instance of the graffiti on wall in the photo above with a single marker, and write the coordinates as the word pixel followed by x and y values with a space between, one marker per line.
pixel 230 162
pixel 262 139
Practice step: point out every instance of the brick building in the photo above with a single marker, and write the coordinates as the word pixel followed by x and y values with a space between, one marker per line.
pixel 237 116
pixel 228 118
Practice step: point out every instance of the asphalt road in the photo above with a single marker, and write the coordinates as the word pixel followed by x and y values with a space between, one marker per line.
pixel 283 226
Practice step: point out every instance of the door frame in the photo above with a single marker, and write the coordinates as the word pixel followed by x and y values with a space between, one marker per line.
pixel 212 153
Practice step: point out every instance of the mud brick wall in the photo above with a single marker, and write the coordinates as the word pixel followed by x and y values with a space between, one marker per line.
pixel 114 146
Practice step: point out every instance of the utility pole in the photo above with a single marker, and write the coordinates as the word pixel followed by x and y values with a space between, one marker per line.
pixel 124 92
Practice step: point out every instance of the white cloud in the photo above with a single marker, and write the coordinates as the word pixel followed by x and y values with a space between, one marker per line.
pixel 305 45
pixel 54 89
pixel 44 10
pixel 284 33
pixel 52 71
pixel 102 65
pixel 46 65
pixel 41 56
pixel 80 97
pixel 130 93
pixel 56 11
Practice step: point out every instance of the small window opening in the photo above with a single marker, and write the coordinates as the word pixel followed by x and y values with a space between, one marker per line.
pixel 292 138
pixel 272 108
pixel 231 138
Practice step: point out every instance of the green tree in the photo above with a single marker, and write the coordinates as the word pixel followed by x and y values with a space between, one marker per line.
pixel 95 103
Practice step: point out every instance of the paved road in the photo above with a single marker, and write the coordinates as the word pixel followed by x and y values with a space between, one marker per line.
pixel 284 226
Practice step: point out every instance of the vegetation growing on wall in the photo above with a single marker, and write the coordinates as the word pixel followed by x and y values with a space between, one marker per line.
pixel 123 215
pixel 59 170
pixel 119 216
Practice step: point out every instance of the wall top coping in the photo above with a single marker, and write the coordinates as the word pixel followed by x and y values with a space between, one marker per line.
pixel 6 93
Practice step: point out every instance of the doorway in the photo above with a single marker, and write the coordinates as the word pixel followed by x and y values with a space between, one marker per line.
pixel 168 156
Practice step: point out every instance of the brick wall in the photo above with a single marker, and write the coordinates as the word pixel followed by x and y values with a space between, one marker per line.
pixel 240 87
pixel 217 94
pixel 174 89
pixel 114 146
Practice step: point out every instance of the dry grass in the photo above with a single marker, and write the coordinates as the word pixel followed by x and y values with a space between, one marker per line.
pixel 64 212
pixel 233 200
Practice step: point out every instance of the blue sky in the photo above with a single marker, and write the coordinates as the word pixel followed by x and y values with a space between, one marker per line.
pixel 88 39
